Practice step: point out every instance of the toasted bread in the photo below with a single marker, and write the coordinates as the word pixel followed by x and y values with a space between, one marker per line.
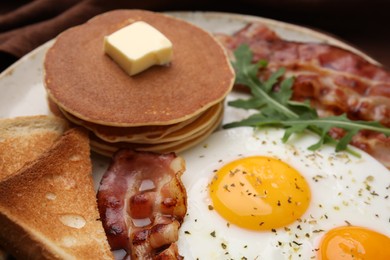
pixel 48 208
pixel 23 139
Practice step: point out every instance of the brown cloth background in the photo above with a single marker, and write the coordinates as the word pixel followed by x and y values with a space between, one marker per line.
pixel 26 24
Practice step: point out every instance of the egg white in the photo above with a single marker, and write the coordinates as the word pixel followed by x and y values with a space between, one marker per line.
pixel 345 190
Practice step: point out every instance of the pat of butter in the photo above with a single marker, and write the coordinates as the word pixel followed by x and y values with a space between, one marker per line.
pixel 137 47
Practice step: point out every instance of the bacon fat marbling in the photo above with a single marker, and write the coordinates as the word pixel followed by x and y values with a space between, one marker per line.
pixel 142 203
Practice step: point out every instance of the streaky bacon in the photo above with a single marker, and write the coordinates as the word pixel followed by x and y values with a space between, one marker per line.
pixel 335 80
pixel 142 203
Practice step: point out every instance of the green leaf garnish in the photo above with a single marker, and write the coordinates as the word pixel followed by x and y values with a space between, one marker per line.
pixel 275 108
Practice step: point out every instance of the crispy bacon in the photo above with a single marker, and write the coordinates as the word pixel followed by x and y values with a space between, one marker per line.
pixel 142 203
pixel 335 80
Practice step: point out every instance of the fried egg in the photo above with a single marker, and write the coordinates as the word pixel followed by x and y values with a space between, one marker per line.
pixel 251 196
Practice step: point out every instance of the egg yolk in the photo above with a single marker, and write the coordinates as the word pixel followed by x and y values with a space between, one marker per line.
pixel 259 193
pixel 354 243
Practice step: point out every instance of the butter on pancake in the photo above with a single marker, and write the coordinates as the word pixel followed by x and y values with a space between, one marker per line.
pixel 89 85
pixel 137 47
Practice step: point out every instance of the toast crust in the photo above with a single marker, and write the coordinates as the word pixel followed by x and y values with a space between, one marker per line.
pixel 23 139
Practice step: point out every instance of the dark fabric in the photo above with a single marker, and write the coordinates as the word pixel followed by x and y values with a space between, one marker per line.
pixel 26 24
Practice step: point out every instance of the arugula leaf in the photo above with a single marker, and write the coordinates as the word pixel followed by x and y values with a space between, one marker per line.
pixel 285 93
pixel 252 103
pixel 278 110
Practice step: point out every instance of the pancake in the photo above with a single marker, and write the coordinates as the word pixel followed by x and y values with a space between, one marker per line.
pixel 150 134
pixel 116 134
pixel 89 85
pixel 113 133
pixel 108 149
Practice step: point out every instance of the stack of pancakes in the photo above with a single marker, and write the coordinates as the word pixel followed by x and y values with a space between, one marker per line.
pixel 163 109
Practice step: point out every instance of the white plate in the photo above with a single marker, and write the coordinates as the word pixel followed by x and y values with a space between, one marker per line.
pixel 22 91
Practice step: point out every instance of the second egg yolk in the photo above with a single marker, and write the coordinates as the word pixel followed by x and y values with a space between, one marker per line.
pixel 259 193
pixel 352 242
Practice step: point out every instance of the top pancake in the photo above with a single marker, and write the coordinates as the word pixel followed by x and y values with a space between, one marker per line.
pixel 88 84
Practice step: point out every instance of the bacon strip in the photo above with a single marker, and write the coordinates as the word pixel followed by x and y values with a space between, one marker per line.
pixel 335 80
pixel 142 203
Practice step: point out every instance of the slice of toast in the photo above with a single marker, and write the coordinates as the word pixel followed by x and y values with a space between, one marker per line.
pixel 48 209
pixel 23 139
